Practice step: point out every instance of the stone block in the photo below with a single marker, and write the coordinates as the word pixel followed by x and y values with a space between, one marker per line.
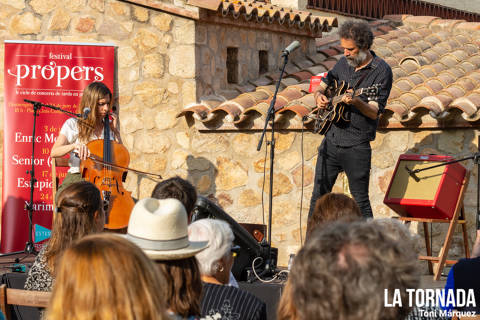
pixel 43 6
pixel 183 139
pixel 189 92
pixel 209 144
pixel 179 159
pixel 150 93
pixel 182 61
pixel 308 175
pixel 74 6
pixel 140 14
pixel 249 198
pixel 60 20
pixel 383 159
pixel 97 4
pixel 145 40
pixel 397 141
pixel 127 56
pixel 153 66
pixel 281 184
pixel 451 141
pixel 183 31
pixel 17 4
pixel 162 22
pixel 119 8
pixel 165 119
pixel 284 141
pixel 289 160
pixel 113 29
pixel 224 200
pixel 245 144
pixel 231 174
pixel 25 23
pixel 85 24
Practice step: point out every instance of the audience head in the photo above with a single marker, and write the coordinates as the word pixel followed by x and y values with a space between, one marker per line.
pixel 331 207
pixel 177 188
pixel 106 277
pixel 79 213
pixel 343 270
pixel 216 261
pixel 159 227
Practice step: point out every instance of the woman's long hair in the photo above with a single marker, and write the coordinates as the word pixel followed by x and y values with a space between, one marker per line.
pixel 91 94
pixel 184 286
pixel 107 277
pixel 79 213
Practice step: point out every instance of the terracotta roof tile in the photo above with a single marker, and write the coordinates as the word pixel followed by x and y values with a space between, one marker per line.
pixel 259 12
pixel 435 64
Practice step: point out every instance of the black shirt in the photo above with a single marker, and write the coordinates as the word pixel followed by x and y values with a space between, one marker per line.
pixel 360 129
pixel 231 303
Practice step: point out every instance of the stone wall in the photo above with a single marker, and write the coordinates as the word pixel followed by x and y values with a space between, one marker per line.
pixel 156 68
pixel 212 41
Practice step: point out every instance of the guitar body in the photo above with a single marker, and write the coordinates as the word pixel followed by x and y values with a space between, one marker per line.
pixel 334 112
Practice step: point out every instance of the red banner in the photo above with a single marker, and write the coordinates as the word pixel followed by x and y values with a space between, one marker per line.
pixel 53 74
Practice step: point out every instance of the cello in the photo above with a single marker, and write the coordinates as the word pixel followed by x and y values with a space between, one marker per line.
pixel 106 168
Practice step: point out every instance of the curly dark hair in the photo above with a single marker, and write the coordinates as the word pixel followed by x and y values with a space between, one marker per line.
pixel 342 272
pixel 359 32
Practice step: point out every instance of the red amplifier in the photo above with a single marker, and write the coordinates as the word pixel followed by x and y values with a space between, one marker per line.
pixel 434 195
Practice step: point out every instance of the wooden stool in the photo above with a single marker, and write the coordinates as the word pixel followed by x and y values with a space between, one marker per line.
pixel 457 218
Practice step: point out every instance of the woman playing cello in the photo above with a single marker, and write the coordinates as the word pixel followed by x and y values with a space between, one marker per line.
pixel 75 134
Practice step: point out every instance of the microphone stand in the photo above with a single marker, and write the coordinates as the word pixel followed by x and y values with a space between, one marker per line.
pixel 29 246
pixel 271 262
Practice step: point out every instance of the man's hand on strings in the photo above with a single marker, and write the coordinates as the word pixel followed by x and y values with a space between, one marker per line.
pixel 321 100
pixel 347 97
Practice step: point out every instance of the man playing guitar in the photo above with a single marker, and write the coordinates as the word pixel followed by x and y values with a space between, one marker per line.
pixel 346 146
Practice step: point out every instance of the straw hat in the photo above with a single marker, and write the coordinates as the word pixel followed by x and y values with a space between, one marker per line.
pixel 160 228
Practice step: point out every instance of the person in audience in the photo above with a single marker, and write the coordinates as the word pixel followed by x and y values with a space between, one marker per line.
pixel 107 277
pixel 215 264
pixel 79 213
pixel 331 207
pixel 463 275
pixel 177 188
pixel 343 272
pixel 159 227
pixel 185 192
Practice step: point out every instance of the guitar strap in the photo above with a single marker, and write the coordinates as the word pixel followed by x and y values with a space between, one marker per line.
pixel 364 75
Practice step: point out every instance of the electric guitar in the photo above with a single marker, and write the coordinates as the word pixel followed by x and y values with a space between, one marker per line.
pixel 335 110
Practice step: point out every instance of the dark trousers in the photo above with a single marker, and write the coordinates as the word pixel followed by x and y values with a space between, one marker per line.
pixel 355 161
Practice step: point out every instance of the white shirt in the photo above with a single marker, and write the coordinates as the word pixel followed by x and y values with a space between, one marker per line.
pixel 70 131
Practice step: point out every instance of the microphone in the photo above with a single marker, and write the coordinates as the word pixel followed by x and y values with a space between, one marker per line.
pixel 412 174
pixel 291 47
pixel 86 112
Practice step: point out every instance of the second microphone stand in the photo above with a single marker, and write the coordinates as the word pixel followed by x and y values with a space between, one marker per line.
pixel 271 263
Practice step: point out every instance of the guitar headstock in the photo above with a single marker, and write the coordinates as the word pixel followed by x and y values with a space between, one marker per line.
pixel 372 91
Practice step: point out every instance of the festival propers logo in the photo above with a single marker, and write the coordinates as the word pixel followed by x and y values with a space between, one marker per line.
pixel 55 70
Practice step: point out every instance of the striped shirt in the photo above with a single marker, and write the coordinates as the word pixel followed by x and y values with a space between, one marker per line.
pixel 231 303
pixel 360 129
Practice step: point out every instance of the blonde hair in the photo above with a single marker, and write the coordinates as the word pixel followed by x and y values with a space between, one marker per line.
pixel 107 277
pixel 91 94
